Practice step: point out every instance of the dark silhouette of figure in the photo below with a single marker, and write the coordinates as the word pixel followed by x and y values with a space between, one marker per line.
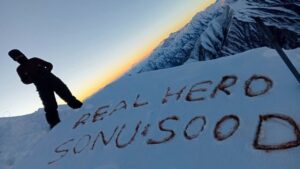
pixel 38 72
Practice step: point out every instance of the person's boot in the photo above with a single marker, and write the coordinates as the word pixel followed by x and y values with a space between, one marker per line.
pixel 53 124
pixel 75 104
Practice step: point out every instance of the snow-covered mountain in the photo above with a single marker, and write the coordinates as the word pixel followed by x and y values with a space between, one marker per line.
pixel 227 28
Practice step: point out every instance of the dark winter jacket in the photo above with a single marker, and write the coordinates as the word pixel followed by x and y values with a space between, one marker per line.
pixel 31 70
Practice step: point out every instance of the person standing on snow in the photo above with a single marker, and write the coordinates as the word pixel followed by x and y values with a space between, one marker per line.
pixel 38 72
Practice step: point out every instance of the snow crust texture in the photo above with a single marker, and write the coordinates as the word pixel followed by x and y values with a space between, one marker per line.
pixel 227 29
pixel 18 135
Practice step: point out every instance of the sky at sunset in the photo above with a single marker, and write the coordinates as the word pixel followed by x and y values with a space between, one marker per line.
pixel 90 43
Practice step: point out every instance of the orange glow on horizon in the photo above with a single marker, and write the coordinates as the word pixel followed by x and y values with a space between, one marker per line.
pixel 115 73
pixel 118 70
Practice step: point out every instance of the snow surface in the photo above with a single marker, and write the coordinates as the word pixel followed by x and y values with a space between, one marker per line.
pixel 20 134
pixel 25 144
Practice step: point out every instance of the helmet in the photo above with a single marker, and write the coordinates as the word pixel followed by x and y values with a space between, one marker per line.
pixel 15 54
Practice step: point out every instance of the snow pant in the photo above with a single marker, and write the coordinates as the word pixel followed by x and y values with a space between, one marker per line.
pixel 46 86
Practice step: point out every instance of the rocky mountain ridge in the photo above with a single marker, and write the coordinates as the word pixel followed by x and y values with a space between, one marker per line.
pixel 227 28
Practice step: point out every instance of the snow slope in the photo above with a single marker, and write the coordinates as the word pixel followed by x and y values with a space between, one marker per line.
pixel 20 134
pixel 136 122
